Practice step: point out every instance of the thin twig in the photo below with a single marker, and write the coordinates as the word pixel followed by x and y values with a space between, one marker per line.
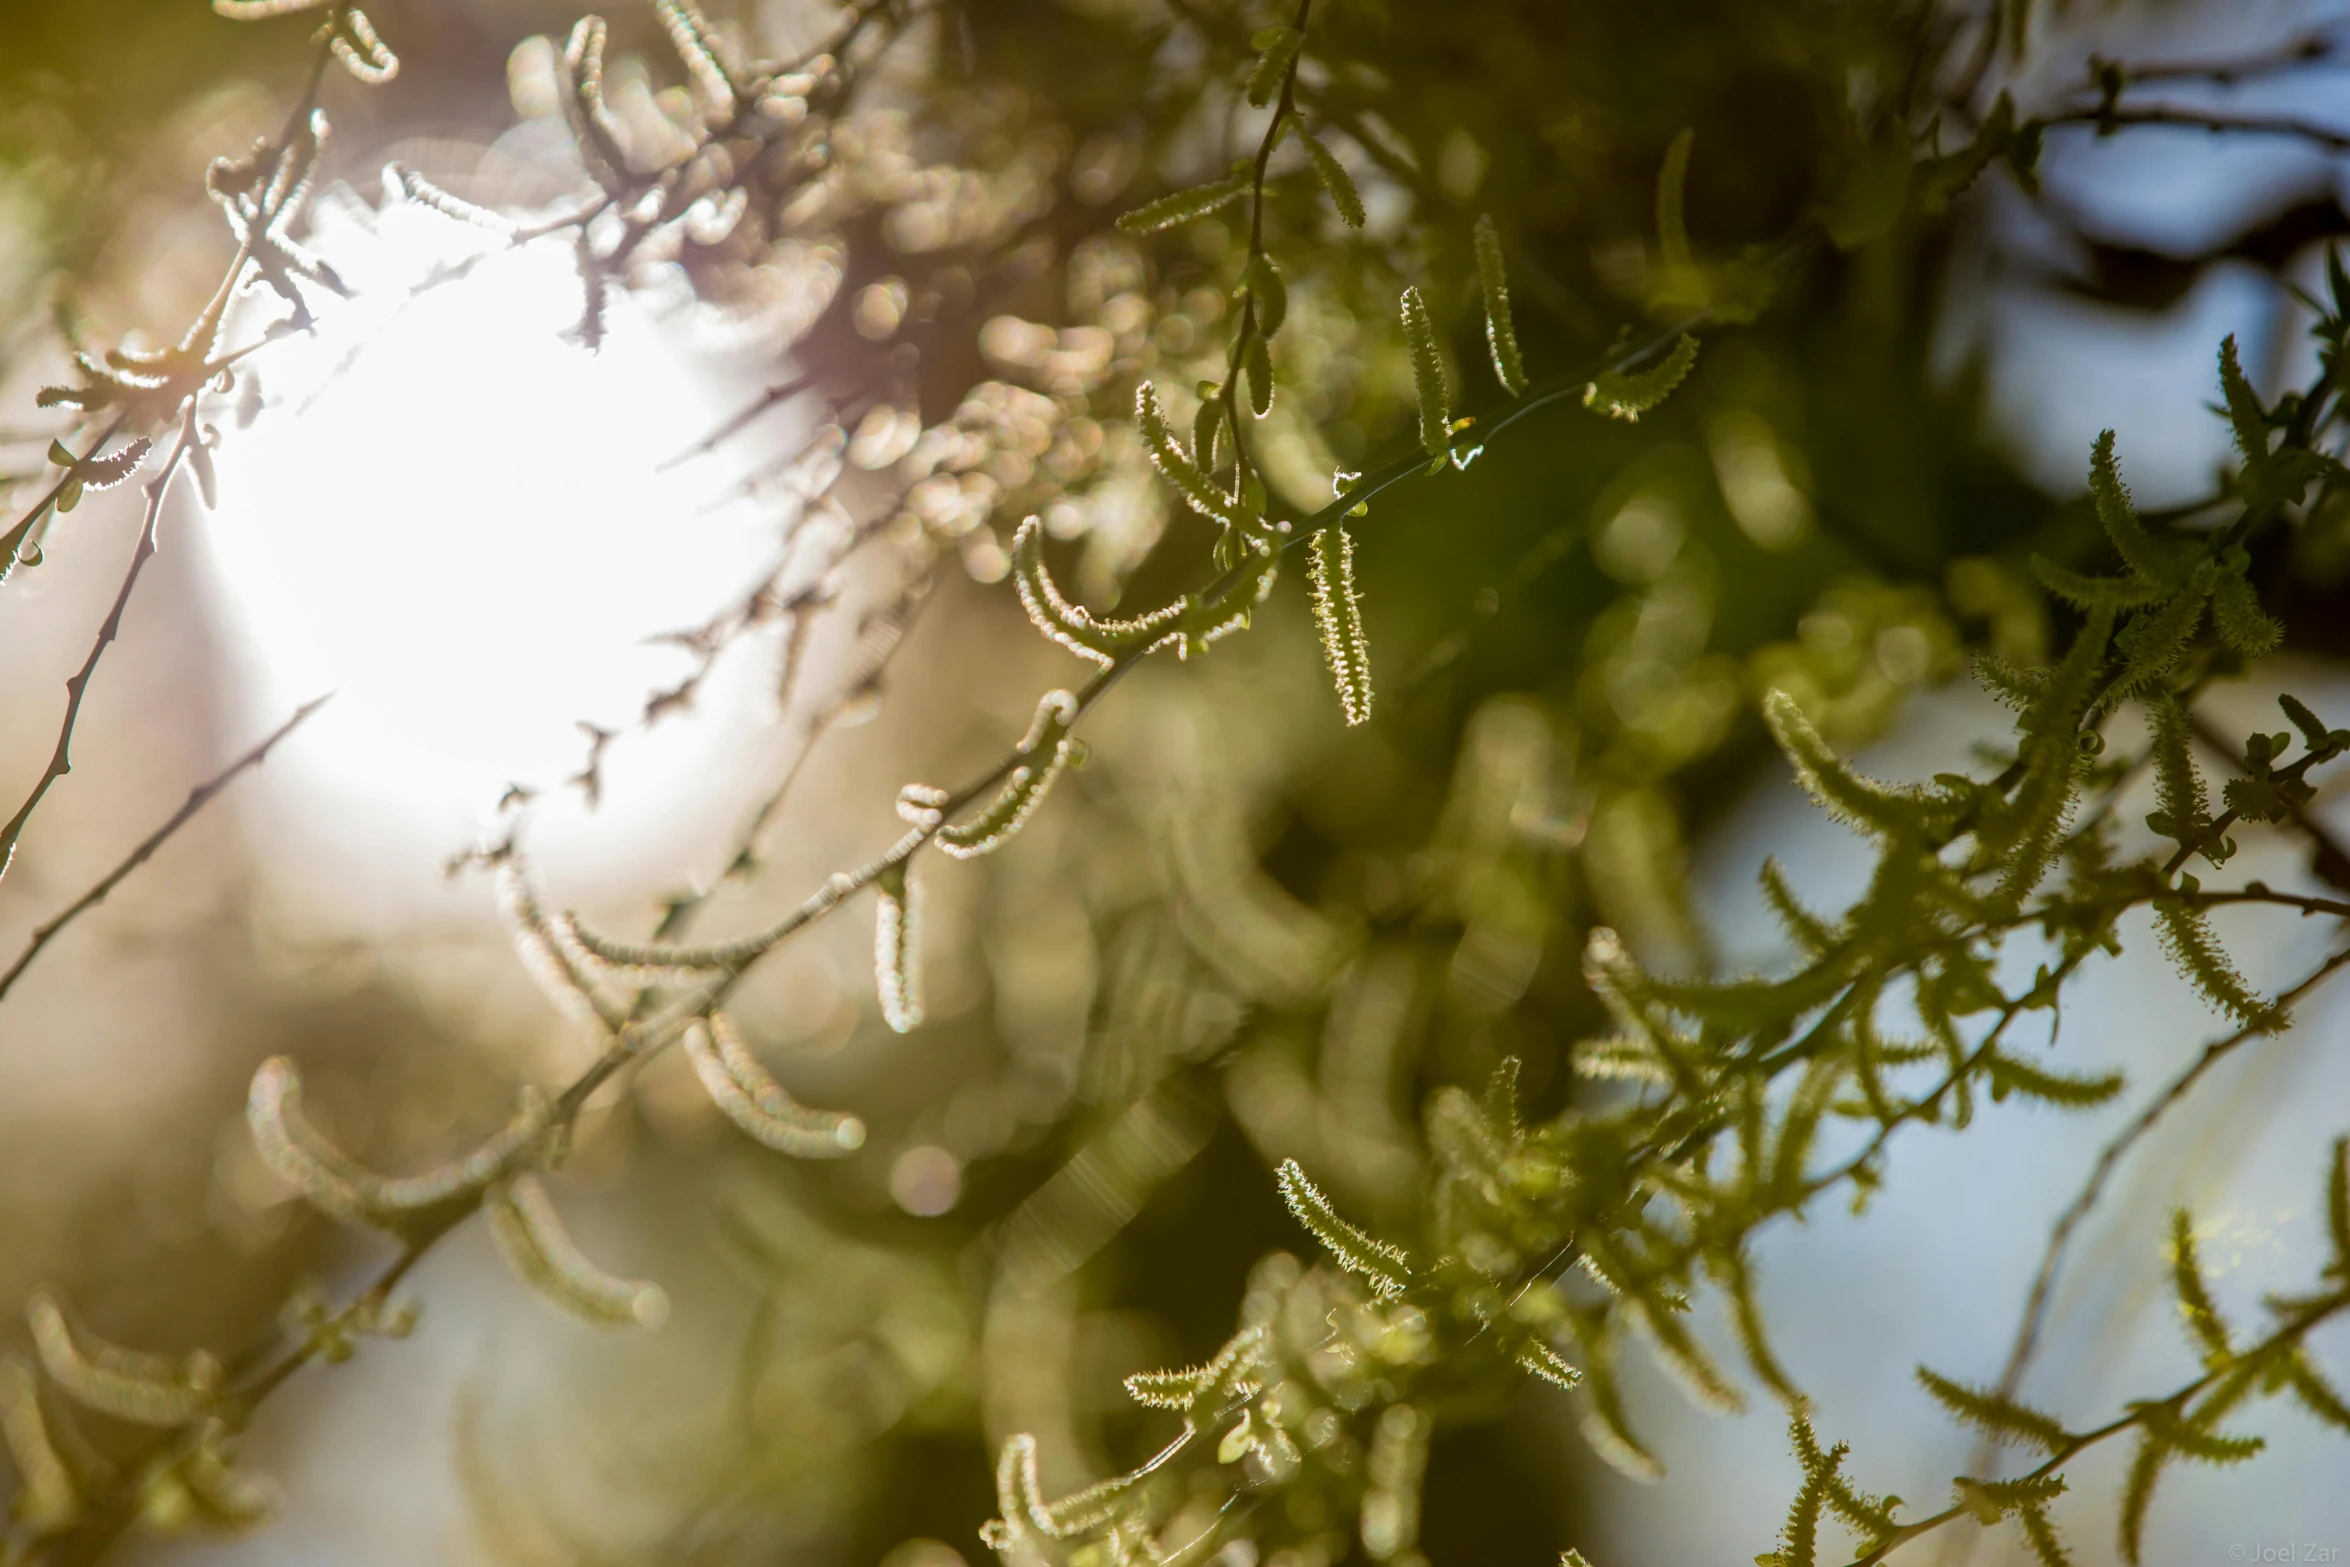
pixel 78 685
pixel 197 799
pixel 2294 1330
pixel 2027 1338
pixel 2110 119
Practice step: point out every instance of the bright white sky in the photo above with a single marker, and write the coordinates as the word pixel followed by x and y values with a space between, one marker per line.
pixel 448 514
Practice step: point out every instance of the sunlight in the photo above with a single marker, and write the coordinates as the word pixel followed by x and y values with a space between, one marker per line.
pixel 448 512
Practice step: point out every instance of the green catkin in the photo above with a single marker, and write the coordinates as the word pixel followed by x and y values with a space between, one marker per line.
pixel 2146 1462
pixel 1182 207
pixel 2196 1307
pixel 2313 729
pixel 2002 1419
pixel 2192 1438
pixel 1045 751
pixel 1387 1269
pixel 2138 549
pixel 749 1097
pixel 896 967
pixel 1280 46
pixel 342 1188
pixel 2156 641
pixel 1428 380
pixel 532 1239
pixel 2040 1534
pixel 1338 615
pixel 1859 802
pixel 2338 1206
pixel 1807 930
pixel 1072 625
pixel 2086 592
pixel 1628 395
pixel 1540 1360
pixel 2012 1074
pixel 2186 936
pixel 1201 493
pixel 1501 332
pixel 2247 419
pixel 2243 625
pixel 1335 180
pixel 2184 813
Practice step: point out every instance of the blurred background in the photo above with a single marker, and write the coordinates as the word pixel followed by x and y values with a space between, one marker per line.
pixel 1242 932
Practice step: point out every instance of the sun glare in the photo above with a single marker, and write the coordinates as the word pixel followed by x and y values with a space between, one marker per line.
pixel 450 513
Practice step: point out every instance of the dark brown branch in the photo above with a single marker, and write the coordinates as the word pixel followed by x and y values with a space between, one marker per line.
pixel 2027 1339
pixel 2108 120
pixel 78 686
pixel 197 799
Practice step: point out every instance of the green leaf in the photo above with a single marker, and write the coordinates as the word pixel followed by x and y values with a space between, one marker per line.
pixel 1260 377
pixel 1263 281
pixel 1672 181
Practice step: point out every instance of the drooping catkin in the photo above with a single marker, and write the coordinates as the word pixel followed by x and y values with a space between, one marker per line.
pixel 1335 180
pixel 1045 752
pixel 1387 1269
pixel 1072 625
pixel 1338 615
pixel 753 1100
pixel 532 1239
pixel 1200 492
pixel 1428 381
pixel 148 1390
pixel 896 972
pixel 47 1498
pixel 1501 331
pixel 1626 395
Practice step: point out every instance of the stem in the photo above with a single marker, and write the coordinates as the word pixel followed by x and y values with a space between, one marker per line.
pixel 197 799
